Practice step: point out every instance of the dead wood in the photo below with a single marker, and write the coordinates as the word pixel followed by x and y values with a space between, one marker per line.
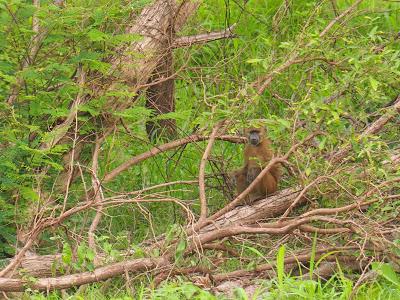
pixel 271 207
pixel 67 281
pixel 40 265
pixel 186 41
pixel 202 170
pixel 151 24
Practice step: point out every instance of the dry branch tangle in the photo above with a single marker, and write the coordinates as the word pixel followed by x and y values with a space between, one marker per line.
pixel 229 224
pixel 40 266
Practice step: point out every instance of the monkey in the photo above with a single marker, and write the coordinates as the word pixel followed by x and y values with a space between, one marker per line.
pixel 257 154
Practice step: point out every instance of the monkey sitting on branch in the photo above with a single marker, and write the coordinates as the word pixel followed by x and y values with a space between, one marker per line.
pixel 257 154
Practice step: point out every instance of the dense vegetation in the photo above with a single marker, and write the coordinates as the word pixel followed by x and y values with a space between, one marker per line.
pixel 328 68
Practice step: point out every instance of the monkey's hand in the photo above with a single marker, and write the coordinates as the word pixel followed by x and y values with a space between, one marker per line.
pixel 252 173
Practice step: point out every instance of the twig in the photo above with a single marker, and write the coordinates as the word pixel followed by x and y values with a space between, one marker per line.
pixel 98 196
pixel 165 147
pixel 59 131
pixel 304 191
pixel 186 41
pixel 372 129
pixel 262 83
pixel 37 38
pixel 233 230
pixel 202 188
pixel 71 162
pixel 335 20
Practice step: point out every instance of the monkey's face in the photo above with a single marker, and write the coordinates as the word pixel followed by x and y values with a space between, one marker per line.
pixel 254 137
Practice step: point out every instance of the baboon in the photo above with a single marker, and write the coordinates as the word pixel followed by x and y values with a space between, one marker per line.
pixel 257 154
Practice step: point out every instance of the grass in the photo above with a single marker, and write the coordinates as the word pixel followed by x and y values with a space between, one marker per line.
pixel 338 287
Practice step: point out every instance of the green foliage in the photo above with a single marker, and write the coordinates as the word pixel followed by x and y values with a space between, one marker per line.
pixel 339 84
pixel 84 257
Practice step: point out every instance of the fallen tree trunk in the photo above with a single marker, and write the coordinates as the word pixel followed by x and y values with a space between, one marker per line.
pixel 270 207
pixel 67 281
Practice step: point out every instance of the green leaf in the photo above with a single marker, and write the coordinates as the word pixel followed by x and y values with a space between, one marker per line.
pixel 254 250
pixel 66 254
pixel 96 35
pixel 284 122
pixel 254 60
pixel 374 83
pixel 240 293
pixel 137 113
pixel 29 194
pixel 90 254
pixel 280 264
pixel 180 249
pixel 176 115
pixel 189 291
pixel 387 271
pixel 81 253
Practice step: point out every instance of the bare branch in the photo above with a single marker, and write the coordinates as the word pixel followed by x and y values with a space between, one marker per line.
pixel 341 16
pixel 187 41
pixel 67 281
pixel 202 188
pixel 98 196
pixel 372 129
pixel 165 147
pixel 262 83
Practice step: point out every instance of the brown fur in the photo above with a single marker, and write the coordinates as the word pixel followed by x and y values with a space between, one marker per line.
pixel 256 157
